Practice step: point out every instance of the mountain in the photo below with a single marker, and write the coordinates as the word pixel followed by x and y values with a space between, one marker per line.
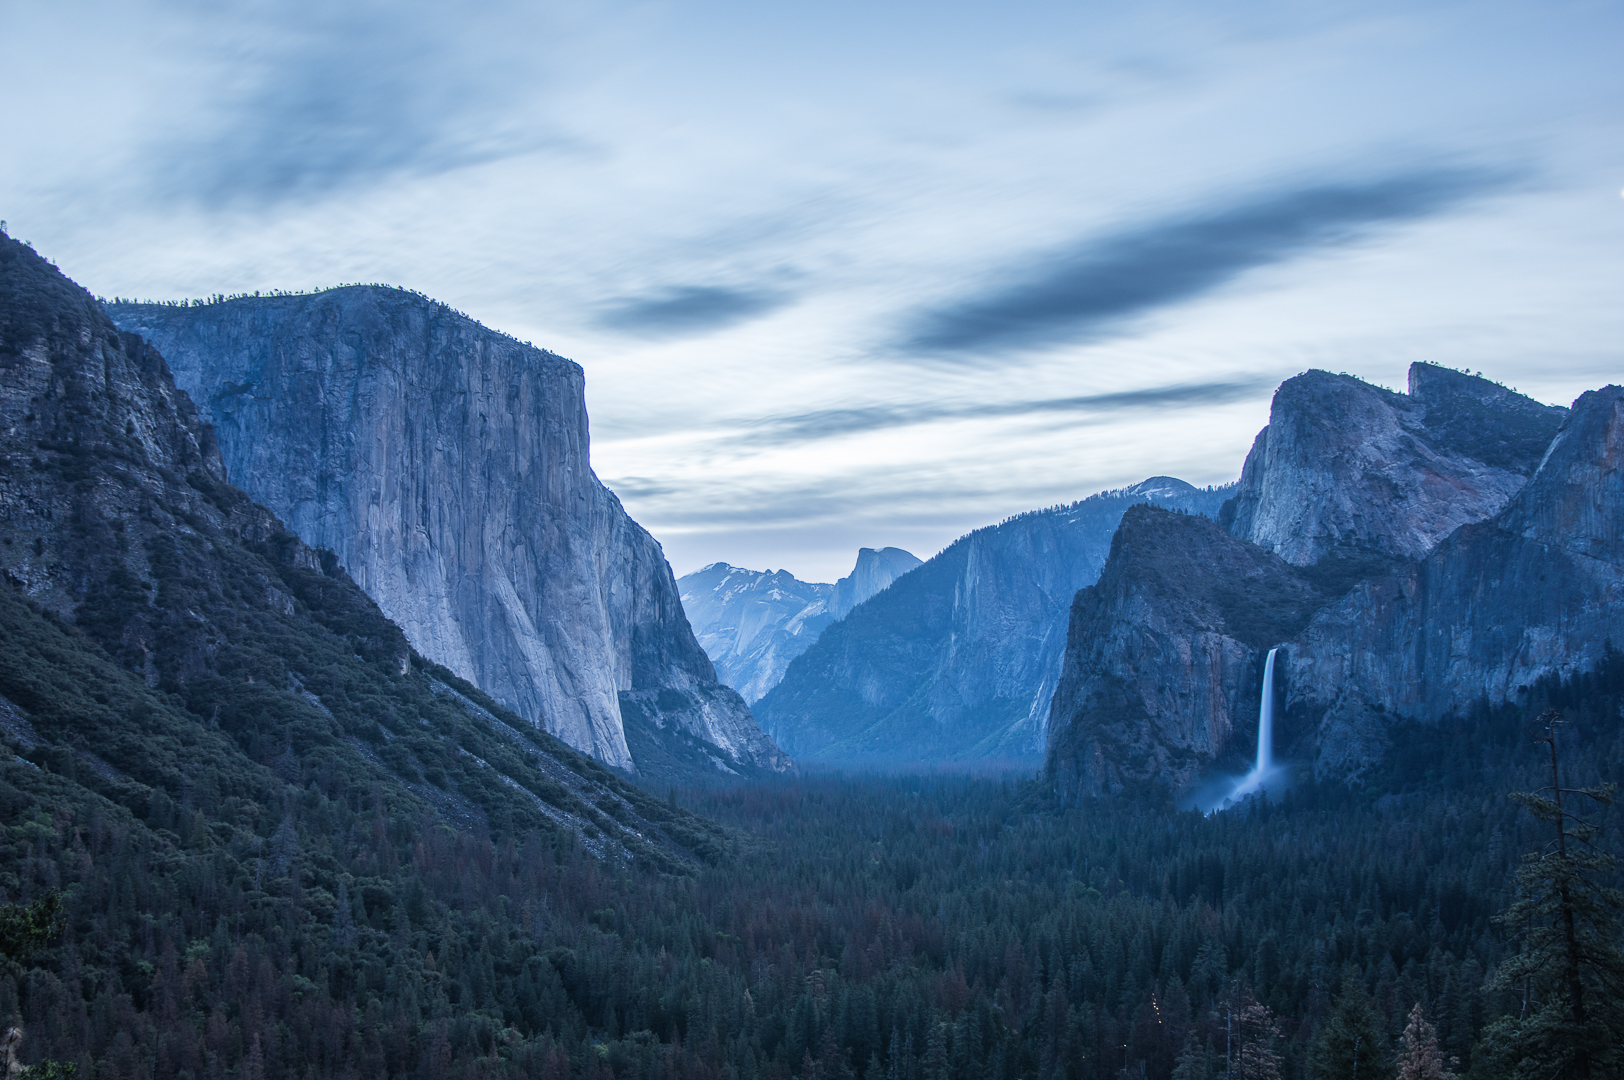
pixel 1413 555
pixel 447 467
pixel 752 623
pixel 1163 654
pixel 1354 472
pixel 246 784
pixel 874 572
pixel 957 660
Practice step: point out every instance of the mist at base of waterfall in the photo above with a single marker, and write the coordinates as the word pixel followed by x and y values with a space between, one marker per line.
pixel 1224 792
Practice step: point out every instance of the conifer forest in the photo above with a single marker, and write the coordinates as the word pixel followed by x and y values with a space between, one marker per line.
pixel 267 916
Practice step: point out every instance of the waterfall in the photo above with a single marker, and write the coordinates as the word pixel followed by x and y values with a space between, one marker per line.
pixel 1254 780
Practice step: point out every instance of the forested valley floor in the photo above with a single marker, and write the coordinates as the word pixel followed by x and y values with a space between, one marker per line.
pixel 841 928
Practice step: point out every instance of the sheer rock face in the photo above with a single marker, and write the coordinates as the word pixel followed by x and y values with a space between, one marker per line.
pixel 447 465
pixel 876 569
pixel 1161 670
pixel 957 660
pixel 1538 589
pixel 1163 652
pixel 752 623
pixel 1351 471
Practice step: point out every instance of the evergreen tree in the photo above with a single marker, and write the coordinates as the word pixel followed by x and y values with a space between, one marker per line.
pixel 1258 1030
pixel 1195 1062
pixel 1352 1044
pixel 27 928
pixel 1420 1058
pixel 1570 971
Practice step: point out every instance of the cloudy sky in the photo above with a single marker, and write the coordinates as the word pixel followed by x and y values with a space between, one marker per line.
pixel 848 274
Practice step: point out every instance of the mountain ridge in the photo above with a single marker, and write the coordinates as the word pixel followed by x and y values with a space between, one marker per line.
pixel 955 663
pixel 1524 584
pixel 752 623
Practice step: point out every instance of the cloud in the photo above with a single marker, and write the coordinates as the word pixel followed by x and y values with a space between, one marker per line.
pixel 832 423
pixel 311 99
pixel 1100 284
pixel 687 310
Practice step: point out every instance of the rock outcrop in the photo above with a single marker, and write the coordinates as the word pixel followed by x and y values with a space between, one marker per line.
pixel 1413 554
pixel 447 466
pixel 876 569
pixel 1536 590
pixel 1351 471
pixel 1163 648
pixel 752 623
pixel 957 660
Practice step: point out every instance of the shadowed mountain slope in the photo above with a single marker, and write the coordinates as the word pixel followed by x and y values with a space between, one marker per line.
pixel 957 660
pixel 1520 579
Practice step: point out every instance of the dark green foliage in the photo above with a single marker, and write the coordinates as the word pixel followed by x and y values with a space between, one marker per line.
pixel 1353 1044
pixel 27 928
pixel 1569 968
pixel 288 848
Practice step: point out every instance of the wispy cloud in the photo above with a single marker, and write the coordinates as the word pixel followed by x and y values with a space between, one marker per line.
pixel 313 99
pixel 1099 284
pixel 688 310
pixel 832 423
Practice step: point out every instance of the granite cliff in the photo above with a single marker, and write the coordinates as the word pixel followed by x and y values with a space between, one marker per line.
pixel 1354 472
pixel 1536 590
pixel 1163 654
pixel 752 623
pixel 447 466
pixel 1414 554
pixel 165 640
pixel 957 660
pixel 875 570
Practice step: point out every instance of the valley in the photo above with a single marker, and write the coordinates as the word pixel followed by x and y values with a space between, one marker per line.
pixel 353 728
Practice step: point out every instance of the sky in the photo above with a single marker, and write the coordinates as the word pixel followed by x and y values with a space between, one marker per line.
pixel 872 274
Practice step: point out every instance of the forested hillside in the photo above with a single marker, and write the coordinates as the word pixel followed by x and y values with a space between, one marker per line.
pixel 922 929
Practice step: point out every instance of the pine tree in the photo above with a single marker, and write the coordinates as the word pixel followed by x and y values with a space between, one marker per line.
pixel 1569 973
pixel 1420 1058
pixel 1256 1059
pixel 1195 1061
pixel 27 928
pixel 1352 1044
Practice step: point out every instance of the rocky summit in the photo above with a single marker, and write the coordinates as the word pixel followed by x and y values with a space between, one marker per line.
pixel 1351 471
pixel 1413 555
pixel 752 623
pixel 447 466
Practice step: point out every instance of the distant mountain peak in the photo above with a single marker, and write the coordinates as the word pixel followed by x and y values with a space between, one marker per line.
pixel 752 623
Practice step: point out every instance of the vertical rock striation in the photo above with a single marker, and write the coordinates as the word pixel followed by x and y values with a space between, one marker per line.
pixel 957 660
pixel 1351 471
pixel 874 572
pixel 1536 590
pixel 1422 552
pixel 447 465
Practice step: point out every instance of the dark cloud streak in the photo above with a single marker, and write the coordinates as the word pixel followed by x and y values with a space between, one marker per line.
pixel 1102 283
pixel 832 423
pixel 687 310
